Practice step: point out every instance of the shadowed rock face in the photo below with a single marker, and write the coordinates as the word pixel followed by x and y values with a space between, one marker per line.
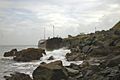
pixel 51 71
pixel 18 76
pixel 117 26
pixel 29 54
pixel 51 44
pixel 54 43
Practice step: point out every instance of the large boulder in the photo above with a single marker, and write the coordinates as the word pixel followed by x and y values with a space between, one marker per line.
pixel 10 53
pixel 75 56
pixel 54 43
pixel 51 71
pixel 29 54
pixel 18 76
pixel 100 51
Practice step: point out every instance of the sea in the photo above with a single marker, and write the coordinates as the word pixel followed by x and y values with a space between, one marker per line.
pixel 9 66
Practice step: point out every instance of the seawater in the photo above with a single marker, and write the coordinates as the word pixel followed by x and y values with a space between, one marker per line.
pixel 8 66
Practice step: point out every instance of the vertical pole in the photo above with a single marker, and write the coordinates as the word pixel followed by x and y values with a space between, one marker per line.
pixel 53 31
pixel 45 37
pixel 44 33
pixel 95 29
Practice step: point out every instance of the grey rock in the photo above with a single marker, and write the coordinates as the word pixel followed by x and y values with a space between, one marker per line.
pixel 72 71
pixel 18 76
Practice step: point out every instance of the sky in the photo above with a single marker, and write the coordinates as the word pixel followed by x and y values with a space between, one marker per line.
pixel 22 22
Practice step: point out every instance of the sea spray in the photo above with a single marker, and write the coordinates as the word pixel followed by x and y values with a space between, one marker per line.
pixel 58 55
pixel 29 67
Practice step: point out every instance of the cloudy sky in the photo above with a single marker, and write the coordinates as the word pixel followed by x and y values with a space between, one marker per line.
pixel 23 21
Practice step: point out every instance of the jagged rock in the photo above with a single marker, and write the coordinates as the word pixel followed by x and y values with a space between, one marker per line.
pixel 29 54
pixel 100 51
pixel 74 66
pixel 51 71
pixel 75 56
pixel 18 76
pixel 85 64
pixel 10 53
pixel 111 73
pixel 87 49
pixel 72 72
pixel 75 50
pixel 43 63
pixel 51 58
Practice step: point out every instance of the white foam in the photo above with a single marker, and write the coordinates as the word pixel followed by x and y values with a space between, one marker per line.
pixel 29 67
pixel 58 55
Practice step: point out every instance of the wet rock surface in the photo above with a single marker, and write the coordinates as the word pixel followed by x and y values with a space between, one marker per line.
pixel 25 55
pixel 10 53
pixel 29 54
pixel 51 71
pixel 18 76
pixel 51 58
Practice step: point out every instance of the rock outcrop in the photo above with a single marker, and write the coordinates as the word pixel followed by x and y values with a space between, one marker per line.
pixel 102 51
pixel 10 53
pixel 51 44
pixel 54 43
pixel 29 54
pixel 98 44
pixel 51 71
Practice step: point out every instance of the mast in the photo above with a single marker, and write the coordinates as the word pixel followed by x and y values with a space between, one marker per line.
pixel 53 30
pixel 44 38
pixel 95 29
pixel 44 33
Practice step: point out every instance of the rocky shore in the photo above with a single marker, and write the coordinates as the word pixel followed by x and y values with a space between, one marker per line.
pixel 99 51
pixel 25 55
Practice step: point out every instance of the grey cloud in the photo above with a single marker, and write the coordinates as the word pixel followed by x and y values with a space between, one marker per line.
pixel 21 19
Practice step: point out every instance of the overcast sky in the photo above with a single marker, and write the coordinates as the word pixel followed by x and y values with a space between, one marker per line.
pixel 23 21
